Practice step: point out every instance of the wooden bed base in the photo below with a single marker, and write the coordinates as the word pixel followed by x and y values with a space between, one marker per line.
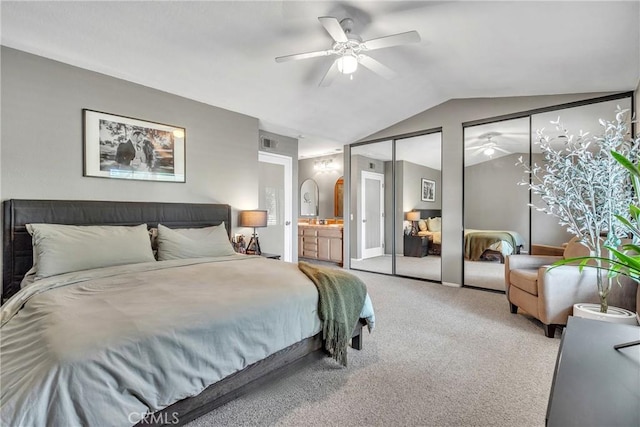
pixel 18 259
pixel 277 366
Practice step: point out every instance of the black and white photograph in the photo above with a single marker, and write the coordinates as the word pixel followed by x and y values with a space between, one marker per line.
pixel 127 148
pixel 428 190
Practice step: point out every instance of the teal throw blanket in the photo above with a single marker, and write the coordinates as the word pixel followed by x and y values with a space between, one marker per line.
pixel 342 296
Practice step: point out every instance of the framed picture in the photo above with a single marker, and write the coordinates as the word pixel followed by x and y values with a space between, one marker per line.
pixel 127 148
pixel 428 190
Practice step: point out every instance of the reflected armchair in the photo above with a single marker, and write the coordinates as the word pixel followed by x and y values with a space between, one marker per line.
pixel 549 295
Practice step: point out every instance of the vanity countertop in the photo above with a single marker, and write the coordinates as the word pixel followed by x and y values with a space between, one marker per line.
pixel 304 224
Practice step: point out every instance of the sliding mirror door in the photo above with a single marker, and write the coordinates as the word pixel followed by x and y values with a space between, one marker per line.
pixel 545 230
pixel 496 211
pixel 371 230
pixel 419 206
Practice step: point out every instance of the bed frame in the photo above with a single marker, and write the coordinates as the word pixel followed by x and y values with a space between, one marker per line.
pixel 18 258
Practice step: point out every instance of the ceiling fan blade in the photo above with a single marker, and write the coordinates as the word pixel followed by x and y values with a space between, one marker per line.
pixel 393 40
pixel 331 74
pixel 334 28
pixel 304 55
pixel 376 67
pixel 501 149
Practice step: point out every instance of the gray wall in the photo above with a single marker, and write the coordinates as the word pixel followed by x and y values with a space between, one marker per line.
pixel 493 200
pixel 326 181
pixel 42 102
pixel 450 115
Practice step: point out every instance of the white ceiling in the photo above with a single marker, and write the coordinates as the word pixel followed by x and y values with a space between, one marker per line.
pixel 222 53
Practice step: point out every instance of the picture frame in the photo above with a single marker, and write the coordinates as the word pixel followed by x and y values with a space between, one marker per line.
pixel 123 147
pixel 428 190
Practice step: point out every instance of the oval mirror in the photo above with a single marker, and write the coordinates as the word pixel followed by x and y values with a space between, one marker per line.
pixel 309 198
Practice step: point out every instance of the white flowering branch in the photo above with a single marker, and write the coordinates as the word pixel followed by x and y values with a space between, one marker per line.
pixel 585 187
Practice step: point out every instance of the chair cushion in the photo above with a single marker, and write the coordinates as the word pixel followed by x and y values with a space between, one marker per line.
pixel 525 279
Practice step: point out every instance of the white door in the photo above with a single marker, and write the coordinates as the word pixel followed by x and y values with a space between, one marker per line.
pixel 275 189
pixel 372 223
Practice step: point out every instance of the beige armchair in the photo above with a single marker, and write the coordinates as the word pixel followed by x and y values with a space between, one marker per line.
pixel 549 295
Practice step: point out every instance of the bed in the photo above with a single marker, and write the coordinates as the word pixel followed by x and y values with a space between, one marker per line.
pixel 491 245
pixel 146 343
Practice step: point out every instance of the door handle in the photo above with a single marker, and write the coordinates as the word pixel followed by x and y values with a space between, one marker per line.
pixel 287 223
pixel 364 220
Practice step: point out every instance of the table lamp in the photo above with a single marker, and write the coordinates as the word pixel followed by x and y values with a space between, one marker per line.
pixel 413 216
pixel 253 218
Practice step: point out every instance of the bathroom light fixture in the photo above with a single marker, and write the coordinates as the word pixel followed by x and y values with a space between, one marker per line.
pixel 324 165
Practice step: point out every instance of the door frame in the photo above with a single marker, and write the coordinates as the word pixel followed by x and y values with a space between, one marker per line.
pixel 287 163
pixel 375 251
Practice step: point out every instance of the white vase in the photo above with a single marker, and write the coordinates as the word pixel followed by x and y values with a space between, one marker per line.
pixel 613 314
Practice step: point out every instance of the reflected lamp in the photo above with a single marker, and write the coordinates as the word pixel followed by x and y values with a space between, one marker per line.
pixel 253 218
pixel 413 216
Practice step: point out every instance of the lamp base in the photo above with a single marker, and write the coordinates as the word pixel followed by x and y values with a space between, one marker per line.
pixel 253 248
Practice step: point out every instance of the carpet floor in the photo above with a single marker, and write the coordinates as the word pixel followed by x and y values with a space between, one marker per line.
pixel 439 356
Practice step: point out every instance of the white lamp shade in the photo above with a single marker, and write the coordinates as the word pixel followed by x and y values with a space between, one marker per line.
pixel 347 64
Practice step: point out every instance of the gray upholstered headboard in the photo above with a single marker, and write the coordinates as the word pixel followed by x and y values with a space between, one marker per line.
pixel 17 250
pixel 429 213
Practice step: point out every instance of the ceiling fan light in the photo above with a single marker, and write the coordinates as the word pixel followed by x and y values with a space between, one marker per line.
pixel 347 64
pixel 489 151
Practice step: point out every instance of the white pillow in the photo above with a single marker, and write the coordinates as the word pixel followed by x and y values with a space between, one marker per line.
pixel 59 248
pixel 182 243
pixel 434 224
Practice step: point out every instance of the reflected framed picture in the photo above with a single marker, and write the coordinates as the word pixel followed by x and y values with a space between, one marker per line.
pixel 127 148
pixel 428 190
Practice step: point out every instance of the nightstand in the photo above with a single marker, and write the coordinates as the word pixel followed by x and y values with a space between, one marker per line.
pixel 270 256
pixel 416 246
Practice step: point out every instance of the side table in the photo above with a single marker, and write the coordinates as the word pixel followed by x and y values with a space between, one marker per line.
pixel 416 246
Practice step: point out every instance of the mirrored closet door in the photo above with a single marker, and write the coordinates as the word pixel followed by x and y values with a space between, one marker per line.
pixel 418 186
pixel 498 219
pixel 371 229
pixel 496 206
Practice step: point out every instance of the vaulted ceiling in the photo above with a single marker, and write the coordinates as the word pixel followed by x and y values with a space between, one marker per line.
pixel 222 53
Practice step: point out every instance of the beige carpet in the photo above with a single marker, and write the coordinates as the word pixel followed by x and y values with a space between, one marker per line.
pixel 439 356
pixel 480 274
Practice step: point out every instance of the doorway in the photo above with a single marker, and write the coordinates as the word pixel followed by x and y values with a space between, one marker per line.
pixel 372 224
pixel 275 196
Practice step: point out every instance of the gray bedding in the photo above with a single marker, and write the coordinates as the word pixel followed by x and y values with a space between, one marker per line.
pixel 100 347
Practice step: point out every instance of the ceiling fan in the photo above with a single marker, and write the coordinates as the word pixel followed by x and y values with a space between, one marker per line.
pixel 350 49
pixel 488 148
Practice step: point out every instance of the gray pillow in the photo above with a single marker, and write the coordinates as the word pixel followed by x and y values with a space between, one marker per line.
pixel 182 243
pixel 59 249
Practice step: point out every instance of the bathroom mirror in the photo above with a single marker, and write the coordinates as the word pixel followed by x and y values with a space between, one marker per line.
pixel 338 198
pixel 309 198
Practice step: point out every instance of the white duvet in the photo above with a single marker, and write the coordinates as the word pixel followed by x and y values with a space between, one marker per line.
pixel 103 347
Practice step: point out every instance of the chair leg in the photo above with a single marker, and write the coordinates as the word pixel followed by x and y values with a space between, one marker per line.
pixel 549 331
pixel 513 308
